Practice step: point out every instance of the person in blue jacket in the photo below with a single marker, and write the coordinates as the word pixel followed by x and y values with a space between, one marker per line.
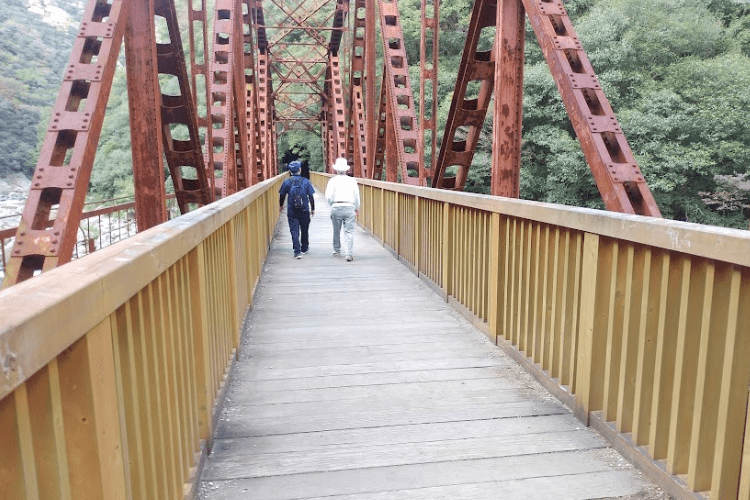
pixel 300 208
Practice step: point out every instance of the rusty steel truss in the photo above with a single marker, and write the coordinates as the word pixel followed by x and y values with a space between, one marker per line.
pixel 283 65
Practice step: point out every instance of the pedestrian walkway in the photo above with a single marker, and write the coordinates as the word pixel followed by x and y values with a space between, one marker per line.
pixel 356 381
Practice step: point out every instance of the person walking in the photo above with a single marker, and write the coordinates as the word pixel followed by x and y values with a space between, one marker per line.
pixel 300 208
pixel 342 194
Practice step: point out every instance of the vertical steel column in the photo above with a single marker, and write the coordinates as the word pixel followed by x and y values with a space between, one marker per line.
pixel 145 118
pixel 508 114
pixel 336 99
pixel 356 141
pixel 240 97
pixel 402 118
pixel 428 74
pixel 359 139
pixel 371 112
pixel 222 96
pixel 61 179
pixel 251 95
pixel 380 124
pixel 467 113
pixel 201 69
pixel 607 152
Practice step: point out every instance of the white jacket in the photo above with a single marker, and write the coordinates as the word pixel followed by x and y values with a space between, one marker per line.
pixel 342 189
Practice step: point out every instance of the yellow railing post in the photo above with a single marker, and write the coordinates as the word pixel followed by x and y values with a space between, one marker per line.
pixel 234 311
pixel 585 392
pixel 447 245
pixel 199 310
pixel 417 235
pixel 495 283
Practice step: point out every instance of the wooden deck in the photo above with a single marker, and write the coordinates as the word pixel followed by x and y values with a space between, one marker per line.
pixel 356 381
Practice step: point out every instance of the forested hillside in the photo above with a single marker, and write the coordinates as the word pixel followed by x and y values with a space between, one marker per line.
pixel 33 55
pixel 677 73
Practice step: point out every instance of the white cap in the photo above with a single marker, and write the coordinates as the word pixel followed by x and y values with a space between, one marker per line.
pixel 340 165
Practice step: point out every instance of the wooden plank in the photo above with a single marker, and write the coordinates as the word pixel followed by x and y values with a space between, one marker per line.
pixel 248 463
pixel 402 398
pixel 397 479
pixel 488 389
pixel 397 434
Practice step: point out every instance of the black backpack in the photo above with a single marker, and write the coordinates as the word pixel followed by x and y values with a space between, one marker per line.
pixel 297 193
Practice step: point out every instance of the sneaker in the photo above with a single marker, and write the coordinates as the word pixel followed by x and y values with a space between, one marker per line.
pixel 336 254
pixel 303 253
pixel 298 256
pixel 349 258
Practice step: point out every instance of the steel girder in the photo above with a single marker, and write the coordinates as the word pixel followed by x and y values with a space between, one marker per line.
pixel 199 74
pixel 400 99
pixel 617 175
pixel 607 152
pixel 47 231
pixel 428 74
pixel 469 105
pixel 178 112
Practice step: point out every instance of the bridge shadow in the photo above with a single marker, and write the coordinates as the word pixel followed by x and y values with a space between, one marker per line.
pixel 355 380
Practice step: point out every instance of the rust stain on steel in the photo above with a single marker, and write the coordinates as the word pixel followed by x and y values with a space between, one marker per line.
pixel 506 144
pixel 145 120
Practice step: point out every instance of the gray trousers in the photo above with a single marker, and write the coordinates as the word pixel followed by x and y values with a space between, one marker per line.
pixel 343 215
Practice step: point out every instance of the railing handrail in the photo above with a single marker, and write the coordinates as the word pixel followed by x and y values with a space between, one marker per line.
pixel 679 236
pixel 86 290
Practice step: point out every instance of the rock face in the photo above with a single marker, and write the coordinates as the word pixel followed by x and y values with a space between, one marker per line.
pixel 50 12
pixel 13 192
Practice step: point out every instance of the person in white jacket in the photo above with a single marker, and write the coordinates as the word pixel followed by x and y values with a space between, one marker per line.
pixel 342 194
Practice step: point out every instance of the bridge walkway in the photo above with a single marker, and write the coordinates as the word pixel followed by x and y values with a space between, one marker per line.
pixel 355 380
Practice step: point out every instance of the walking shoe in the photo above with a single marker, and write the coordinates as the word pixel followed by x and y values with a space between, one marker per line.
pixel 349 258
pixel 303 253
pixel 336 254
pixel 297 256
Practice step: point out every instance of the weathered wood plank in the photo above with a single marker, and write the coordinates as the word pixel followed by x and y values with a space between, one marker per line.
pixel 548 467
pixel 357 381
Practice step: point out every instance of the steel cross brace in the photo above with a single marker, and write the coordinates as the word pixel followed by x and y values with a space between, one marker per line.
pixel 467 113
pixel 180 110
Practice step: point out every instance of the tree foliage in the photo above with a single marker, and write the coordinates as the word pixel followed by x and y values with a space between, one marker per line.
pixel 676 72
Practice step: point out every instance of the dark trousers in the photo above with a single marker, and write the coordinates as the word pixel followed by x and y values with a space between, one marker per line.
pixel 299 226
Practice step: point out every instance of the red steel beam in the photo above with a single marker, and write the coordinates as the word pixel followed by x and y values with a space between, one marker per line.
pixel 508 113
pixel 402 116
pixel 184 156
pixel 467 112
pixel 145 120
pixel 63 170
pixel 199 74
pixel 428 120
pixel 607 152
pixel 222 103
pixel 371 112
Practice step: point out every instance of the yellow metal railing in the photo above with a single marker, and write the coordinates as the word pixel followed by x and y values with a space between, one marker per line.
pixel 640 325
pixel 111 367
